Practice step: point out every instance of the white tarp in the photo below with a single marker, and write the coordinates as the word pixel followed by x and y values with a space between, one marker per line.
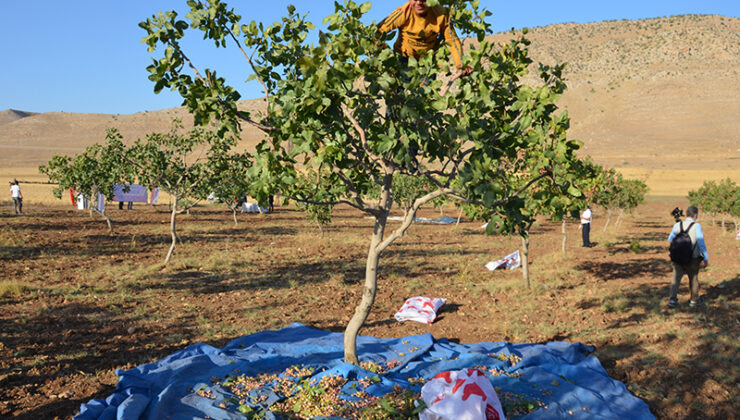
pixel 445 220
pixel 253 208
pixel 510 261
pixel 82 202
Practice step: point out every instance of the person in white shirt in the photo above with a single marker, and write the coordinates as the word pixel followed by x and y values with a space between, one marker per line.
pixel 17 196
pixel 586 227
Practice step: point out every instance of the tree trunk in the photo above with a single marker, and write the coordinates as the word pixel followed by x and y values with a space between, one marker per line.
pixel 723 222
pixel 371 268
pixel 377 245
pixel 172 230
pixel 233 211
pixel 619 218
pixel 368 294
pixel 525 260
pixel 565 236
pixel 608 218
pixel 459 216
pixel 93 201
pixel 107 220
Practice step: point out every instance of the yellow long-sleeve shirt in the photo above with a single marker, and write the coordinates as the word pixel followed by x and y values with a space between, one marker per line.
pixel 417 34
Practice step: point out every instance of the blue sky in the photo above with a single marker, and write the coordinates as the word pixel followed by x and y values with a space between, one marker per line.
pixel 86 55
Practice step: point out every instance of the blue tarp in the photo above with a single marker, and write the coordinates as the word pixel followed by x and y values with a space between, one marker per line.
pixel 565 377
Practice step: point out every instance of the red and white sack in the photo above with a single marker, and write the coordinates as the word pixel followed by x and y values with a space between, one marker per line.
pixel 420 309
pixel 461 395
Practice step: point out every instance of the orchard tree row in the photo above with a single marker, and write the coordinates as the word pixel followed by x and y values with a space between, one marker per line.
pixel 188 165
pixel 719 199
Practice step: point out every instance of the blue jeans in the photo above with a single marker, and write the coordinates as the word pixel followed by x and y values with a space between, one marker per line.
pixel 18 205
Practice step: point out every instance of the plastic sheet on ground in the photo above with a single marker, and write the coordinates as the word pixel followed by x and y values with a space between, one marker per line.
pixel 444 220
pixel 567 380
pixel 252 208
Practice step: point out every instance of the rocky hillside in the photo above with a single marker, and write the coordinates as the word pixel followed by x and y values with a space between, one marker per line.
pixel 658 93
pixel 654 93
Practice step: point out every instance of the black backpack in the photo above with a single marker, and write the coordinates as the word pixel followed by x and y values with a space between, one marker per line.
pixel 681 249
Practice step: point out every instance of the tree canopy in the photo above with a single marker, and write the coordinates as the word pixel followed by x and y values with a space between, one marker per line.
pixel 345 115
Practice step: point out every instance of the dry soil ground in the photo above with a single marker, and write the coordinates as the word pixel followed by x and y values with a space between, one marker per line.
pixel 78 303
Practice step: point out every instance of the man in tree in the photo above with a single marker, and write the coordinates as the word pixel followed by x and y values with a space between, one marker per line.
pixel 419 29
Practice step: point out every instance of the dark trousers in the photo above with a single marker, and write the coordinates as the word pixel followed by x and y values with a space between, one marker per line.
pixel 692 271
pixel 585 234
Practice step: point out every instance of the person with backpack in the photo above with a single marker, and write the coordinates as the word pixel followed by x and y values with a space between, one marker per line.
pixel 688 253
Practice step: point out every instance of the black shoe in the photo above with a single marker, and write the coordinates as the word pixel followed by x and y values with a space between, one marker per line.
pixel 696 303
pixel 672 303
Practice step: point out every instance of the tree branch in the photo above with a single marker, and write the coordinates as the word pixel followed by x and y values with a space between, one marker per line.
pixel 363 138
pixel 409 217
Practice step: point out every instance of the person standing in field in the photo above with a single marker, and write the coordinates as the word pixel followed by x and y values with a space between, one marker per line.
pixel 419 30
pixel 586 227
pixel 696 257
pixel 17 196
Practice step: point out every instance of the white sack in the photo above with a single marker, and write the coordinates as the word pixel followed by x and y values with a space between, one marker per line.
pixel 465 394
pixel 420 309
pixel 510 261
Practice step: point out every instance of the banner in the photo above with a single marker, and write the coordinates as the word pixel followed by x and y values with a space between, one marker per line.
pixel 154 196
pixel 136 193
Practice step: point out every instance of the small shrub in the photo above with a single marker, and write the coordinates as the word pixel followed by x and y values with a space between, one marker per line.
pixel 12 289
pixel 635 247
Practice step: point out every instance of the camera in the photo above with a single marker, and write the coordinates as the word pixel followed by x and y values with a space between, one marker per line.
pixel 677 214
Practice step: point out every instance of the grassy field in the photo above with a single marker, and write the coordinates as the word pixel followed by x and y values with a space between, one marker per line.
pixel 677 182
pixel 79 303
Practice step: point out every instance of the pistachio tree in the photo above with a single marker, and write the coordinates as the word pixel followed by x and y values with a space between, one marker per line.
pixel 96 170
pixel 631 193
pixel 717 198
pixel 181 163
pixel 229 180
pixel 341 105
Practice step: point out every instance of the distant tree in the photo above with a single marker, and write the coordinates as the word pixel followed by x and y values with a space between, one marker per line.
pixel 230 178
pixel 631 193
pixel 185 165
pixel 554 196
pixel 349 110
pixel 96 170
pixel 717 198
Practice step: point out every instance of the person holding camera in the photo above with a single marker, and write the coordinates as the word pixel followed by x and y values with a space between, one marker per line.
pixel 688 253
